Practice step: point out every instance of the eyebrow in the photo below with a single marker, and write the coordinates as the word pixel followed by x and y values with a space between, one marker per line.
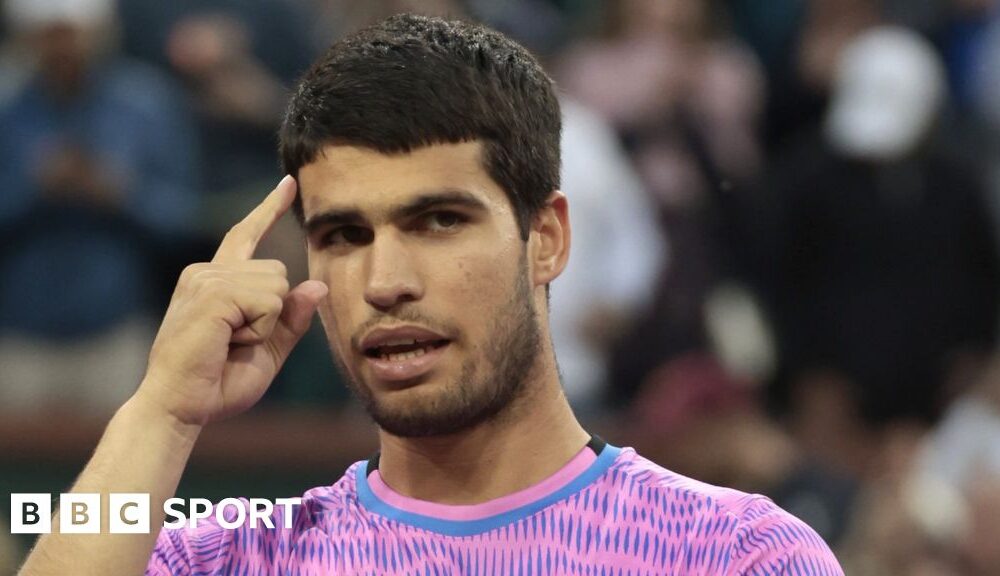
pixel 422 203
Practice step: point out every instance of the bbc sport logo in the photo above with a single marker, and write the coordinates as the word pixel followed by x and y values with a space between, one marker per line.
pixel 129 513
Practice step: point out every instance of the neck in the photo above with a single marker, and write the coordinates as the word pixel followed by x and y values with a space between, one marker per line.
pixel 532 439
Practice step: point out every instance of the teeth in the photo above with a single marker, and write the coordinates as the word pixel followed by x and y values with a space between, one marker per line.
pixel 404 355
pixel 399 342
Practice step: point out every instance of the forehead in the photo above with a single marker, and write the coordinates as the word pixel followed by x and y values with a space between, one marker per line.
pixel 366 180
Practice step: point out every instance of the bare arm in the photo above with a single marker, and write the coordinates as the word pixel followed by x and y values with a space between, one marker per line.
pixel 143 450
pixel 230 326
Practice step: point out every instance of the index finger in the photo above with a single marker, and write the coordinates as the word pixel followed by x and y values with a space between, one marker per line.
pixel 242 239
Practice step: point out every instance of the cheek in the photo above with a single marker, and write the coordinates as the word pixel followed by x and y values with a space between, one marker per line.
pixel 335 310
pixel 476 284
pixel 328 313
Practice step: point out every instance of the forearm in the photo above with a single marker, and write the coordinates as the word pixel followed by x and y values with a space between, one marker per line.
pixel 143 450
pixel 230 325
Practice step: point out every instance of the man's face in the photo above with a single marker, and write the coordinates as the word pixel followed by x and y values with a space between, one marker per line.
pixel 431 311
pixel 65 50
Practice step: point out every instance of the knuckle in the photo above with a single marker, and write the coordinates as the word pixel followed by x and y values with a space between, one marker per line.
pixel 191 271
pixel 276 266
pixel 283 285
pixel 275 303
pixel 212 287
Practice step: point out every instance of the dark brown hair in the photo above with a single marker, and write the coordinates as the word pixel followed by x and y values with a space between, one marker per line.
pixel 413 81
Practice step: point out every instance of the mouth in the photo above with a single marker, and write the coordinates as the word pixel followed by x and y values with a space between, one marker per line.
pixel 403 353
pixel 404 349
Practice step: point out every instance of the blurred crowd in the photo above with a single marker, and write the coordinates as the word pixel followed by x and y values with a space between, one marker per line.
pixel 785 267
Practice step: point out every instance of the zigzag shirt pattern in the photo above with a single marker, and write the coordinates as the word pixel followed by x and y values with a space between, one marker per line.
pixel 608 514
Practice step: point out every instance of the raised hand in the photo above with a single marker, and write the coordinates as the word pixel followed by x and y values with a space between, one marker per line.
pixel 230 325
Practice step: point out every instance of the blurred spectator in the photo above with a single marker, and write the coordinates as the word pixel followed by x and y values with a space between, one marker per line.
pixel 933 505
pixel 985 76
pixel 96 159
pixel 237 59
pixel 887 267
pixel 980 549
pixel 799 42
pixel 686 410
pixel 541 25
pixel 888 93
pixel 904 525
pixel 616 256
pixel 830 26
pixel 770 29
pixel 966 443
pixel 983 83
pixel 962 33
pixel 345 16
pixel 827 421
pixel 685 98
pixel 662 70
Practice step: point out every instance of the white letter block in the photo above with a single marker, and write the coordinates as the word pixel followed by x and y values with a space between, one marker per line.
pixel 129 513
pixel 30 513
pixel 80 513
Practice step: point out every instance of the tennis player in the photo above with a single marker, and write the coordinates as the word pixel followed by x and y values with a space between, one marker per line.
pixel 423 161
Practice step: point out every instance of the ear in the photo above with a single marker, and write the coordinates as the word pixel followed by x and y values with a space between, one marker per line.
pixel 549 240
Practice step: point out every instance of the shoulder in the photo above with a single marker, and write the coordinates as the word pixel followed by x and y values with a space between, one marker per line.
pixel 324 503
pixel 136 86
pixel 635 471
pixel 748 531
pixel 681 499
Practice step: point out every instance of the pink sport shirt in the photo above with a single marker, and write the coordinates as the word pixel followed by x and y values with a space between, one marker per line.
pixel 612 513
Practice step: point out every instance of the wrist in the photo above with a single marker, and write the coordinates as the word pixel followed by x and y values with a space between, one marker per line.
pixel 146 409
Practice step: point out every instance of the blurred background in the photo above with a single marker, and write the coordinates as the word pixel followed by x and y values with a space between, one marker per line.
pixel 785 268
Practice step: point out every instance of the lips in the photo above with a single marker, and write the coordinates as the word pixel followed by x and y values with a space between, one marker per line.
pixel 402 353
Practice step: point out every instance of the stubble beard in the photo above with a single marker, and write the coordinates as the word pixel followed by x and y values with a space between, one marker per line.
pixel 484 389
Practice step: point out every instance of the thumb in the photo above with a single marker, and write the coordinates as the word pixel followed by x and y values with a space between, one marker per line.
pixel 296 315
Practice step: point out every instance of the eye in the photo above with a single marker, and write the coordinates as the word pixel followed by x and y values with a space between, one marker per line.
pixel 346 236
pixel 443 221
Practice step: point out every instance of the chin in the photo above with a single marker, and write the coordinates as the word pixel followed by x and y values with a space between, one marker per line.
pixel 426 410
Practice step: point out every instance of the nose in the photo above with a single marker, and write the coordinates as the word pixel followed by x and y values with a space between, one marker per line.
pixel 392 277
